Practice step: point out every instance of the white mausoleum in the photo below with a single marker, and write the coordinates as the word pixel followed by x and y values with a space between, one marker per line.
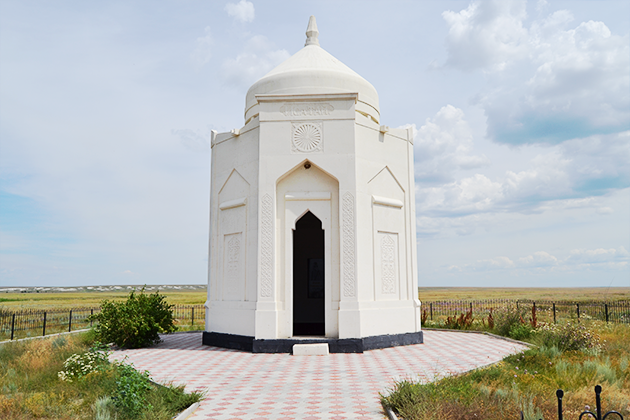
pixel 312 216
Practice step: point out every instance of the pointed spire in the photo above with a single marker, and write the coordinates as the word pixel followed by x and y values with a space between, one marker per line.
pixel 311 32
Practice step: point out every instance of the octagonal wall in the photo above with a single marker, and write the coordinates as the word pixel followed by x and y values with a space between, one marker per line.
pixel 316 153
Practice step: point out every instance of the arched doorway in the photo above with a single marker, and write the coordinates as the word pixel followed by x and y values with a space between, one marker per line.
pixel 308 276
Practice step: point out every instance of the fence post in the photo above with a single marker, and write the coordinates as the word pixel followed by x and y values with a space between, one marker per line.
pixel 606 310
pixel 431 310
pixel 44 327
pixel 517 305
pixel 70 321
pixel 559 395
pixel 577 307
pixel 91 313
pixel 471 308
pixel 12 325
pixel 554 313
pixel 192 316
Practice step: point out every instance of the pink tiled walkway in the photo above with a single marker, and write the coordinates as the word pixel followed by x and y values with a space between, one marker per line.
pixel 248 386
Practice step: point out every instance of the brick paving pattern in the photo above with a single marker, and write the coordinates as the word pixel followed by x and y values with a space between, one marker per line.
pixel 242 385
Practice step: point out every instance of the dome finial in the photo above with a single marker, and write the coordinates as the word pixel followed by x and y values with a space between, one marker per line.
pixel 311 32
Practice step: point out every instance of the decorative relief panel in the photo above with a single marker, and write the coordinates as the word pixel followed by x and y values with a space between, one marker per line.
pixel 306 109
pixel 349 247
pixel 307 137
pixel 232 265
pixel 388 264
pixel 266 252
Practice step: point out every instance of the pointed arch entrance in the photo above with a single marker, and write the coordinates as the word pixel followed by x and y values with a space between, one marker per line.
pixel 308 276
pixel 308 233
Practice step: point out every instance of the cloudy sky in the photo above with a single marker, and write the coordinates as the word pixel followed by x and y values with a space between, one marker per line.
pixel 521 112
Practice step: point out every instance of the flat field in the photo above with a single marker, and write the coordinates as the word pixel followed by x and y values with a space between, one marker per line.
pixel 578 294
pixel 39 298
pixel 49 298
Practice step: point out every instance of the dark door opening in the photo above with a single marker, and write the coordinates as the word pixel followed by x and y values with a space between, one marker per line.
pixel 308 276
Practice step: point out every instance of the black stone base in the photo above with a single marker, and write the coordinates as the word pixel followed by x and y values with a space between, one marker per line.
pixel 285 345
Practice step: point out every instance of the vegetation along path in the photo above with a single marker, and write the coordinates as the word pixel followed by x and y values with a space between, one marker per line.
pixel 281 386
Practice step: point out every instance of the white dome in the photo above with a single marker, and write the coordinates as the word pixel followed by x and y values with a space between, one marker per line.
pixel 312 70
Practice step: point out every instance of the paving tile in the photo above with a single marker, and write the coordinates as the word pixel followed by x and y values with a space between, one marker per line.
pixel 242 385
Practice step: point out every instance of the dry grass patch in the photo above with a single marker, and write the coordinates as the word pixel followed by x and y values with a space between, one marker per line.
pixel 31 387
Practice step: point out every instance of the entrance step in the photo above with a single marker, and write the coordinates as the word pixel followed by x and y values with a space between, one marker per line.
pixel 315 349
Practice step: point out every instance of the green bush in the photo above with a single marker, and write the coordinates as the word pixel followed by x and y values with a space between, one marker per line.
pixel 567 337
pixel 132 388
pixel 520 331
pixel 80 365
pixel 507 319
pixel 135 322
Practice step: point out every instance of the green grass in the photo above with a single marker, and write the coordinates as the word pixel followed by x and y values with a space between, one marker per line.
pixel 528 382
pixel 57 300
pixel 31 389
pixel 67 300
pixel 579 294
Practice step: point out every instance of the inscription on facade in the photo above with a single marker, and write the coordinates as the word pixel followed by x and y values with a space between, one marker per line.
pixel 306 110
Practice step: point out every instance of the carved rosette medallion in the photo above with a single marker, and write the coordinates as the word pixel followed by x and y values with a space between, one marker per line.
pixel 266 251
pixel 307 137
pixel 349 246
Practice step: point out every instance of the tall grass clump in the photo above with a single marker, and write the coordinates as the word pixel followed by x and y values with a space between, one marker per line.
pixel 70 377
pixel 569 356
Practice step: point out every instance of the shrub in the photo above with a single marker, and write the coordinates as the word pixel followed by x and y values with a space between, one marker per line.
pixel 506 319
pixel 80 365
pixel 567 337
pixel 520 331
pixel 135 322
pixel 462 322
pixel 131 390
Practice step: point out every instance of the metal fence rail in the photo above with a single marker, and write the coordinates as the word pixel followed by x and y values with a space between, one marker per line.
pixel 546 310
pixel 36 322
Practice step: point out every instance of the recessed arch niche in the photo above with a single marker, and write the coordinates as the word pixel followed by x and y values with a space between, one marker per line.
pixel 307 189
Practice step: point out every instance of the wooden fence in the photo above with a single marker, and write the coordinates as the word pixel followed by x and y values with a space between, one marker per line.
pixel 31 322
pixel 546 310
pixel 36 322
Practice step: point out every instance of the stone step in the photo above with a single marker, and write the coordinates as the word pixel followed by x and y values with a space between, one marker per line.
pixel 315 349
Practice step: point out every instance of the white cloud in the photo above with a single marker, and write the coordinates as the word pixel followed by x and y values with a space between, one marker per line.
pixel 567 176
pixel 538 259
pixel 542 261
pixel 547 83
pixel 192 140
pixel 487 34
pixel 203 50
pixel 598 256
pixel 259 57
pixel 242 11
pixel 443 145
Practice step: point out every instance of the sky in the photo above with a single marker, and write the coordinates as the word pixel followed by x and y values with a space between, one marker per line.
pixel 521 115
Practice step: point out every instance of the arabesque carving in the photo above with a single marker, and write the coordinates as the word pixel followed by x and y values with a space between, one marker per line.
pixel 266 251
pixel 349 246
pixel 388 265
